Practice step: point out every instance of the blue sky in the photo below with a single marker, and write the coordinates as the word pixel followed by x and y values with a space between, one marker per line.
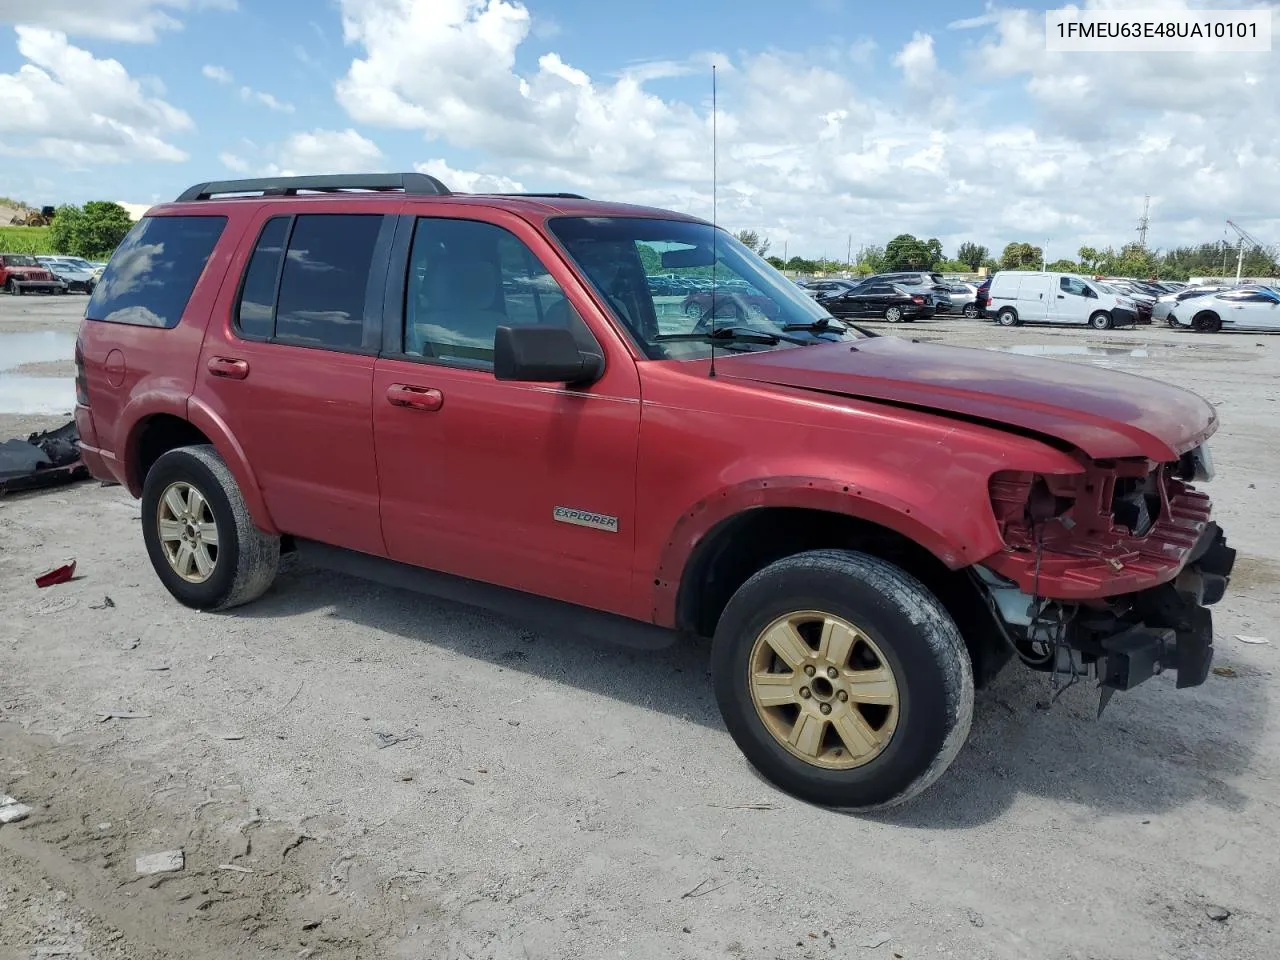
pixel 840 120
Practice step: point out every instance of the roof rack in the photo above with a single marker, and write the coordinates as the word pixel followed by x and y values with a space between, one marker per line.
pixel 554 196
pixel 416 183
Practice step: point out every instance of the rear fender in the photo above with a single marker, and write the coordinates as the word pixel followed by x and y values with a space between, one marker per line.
pixel 957 538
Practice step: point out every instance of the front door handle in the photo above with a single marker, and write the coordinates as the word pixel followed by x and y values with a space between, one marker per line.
pixel 1062 296
pixel 413 397
pixel 228 368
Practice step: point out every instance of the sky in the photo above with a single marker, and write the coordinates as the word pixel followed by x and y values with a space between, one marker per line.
pixel 839 122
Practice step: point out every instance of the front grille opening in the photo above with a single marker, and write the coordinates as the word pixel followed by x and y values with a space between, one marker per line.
pixel 1136 503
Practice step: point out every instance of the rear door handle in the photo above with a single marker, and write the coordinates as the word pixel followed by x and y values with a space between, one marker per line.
pixel 413 397
pixel 228 368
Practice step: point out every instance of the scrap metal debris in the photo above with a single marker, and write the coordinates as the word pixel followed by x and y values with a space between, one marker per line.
pixel 59 574
pixel 104 717
pixel 1252 639
pixel 106 604
pixel 170 861
pixel 44 459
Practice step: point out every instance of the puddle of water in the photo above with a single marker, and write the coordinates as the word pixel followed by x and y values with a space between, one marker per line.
pixel 37 395
pixel 39 346
pixel 1072 350
pixel 22 394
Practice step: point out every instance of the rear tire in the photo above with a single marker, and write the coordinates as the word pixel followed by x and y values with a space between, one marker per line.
pixel 970 311
pixel 1206 322
pixel 13 288
pixel 1101 320
pixel 893 314
pixel 1008 317
pixel 176 527
pixel 897 707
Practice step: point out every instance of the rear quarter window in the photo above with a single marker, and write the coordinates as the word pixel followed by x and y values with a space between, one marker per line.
pixel 152 273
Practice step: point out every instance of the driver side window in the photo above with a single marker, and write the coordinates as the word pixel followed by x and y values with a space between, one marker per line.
pixel 1073 286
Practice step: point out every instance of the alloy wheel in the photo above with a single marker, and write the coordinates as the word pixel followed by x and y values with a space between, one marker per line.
pixel 188 532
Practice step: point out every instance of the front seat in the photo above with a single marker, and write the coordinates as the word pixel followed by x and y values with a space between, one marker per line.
pixel 458 310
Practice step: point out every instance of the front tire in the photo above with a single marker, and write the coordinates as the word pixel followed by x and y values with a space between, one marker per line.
pixel 1206 322
pixel 199 535
pixel 842 679
pixel 1007 317
pixel 1100 320
pixel 970 311
pixel 13 288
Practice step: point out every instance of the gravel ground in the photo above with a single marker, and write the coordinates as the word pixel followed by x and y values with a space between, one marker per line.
pixel 555 799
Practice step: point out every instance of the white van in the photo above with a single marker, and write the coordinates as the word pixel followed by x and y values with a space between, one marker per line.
pixel 1026 296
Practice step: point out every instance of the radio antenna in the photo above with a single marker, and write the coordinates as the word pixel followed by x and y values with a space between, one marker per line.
pixel 714 305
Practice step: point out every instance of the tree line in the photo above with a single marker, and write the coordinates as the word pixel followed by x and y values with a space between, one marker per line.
pixel 907 252
pixel 92 231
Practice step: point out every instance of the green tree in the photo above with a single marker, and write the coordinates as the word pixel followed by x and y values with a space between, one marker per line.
pixel 649 259
pixel 952 266
pixel 1021 256
pixel 93 231
pixel 935 251
pixel 971 254
pixel 905 252
pixel 777 263
pixel 870 260
pixel 751 240
pixel 1064 266
pixel 1090 259
pixel 801 265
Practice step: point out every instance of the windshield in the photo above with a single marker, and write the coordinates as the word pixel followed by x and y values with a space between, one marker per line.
pixel 16 260
pixel 657 277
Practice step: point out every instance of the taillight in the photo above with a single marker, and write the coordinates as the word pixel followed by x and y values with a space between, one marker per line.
pixel 82 385
pixel 917 299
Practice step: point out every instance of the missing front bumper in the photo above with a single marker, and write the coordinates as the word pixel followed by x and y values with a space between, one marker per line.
pixel 1127 639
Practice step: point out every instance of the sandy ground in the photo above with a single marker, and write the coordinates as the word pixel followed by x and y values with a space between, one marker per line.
pixel 553 799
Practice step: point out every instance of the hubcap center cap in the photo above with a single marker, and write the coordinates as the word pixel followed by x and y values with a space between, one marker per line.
pixel 822 688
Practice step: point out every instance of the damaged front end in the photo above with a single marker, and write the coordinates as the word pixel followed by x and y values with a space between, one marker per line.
pixel 1109 572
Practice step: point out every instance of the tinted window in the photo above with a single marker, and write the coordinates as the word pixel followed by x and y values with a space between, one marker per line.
pixel 1073 285
pixel 466 279
pixel 257 298
pixel 325 279
pixel 152 273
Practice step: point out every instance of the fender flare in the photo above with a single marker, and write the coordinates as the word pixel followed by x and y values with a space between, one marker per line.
pixel 204 418
pixel 969 538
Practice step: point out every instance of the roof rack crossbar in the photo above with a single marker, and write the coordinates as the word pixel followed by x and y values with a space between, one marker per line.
pixel 415 183
pixel 554 196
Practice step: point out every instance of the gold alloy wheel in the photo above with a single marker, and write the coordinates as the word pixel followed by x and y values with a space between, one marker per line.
pixel 188 532
pixel 824 690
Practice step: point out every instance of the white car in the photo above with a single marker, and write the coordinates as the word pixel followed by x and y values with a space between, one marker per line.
pixel 1253 308
pixel 1027 296
pixel 1164 306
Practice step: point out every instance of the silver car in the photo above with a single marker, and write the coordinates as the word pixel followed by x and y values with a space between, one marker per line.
pixel 1245 308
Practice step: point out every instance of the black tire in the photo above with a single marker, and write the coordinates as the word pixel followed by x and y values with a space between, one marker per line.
pixel 970 311
pixel 1206 321
pixel 13 288
pixel 247 558
pixel 1008 317
pixel 1172 321
pixel 1101 320
pixel 918 641
pixel 893 314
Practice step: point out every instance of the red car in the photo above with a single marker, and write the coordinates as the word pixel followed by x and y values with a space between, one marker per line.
pixel 20 273
pixel 472 395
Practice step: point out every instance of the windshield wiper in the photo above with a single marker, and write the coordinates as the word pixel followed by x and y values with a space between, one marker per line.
pixel 732 333
pixel 820 325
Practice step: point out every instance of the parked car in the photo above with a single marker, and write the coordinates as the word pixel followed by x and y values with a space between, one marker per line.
pixel 1163 308
pixel 1142 296
pixel 741 304
pixel 863 528
pixel 820 289
pixel 1243 308
pixel 878 299
pixel 982 295
pixel 964 298
pixel 929 285
pixel 20 273
pixel 70 274
pixel 1028 296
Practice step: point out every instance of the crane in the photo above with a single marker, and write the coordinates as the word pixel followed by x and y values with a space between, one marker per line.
pixel 1244 236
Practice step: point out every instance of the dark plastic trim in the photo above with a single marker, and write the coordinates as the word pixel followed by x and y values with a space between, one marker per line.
pixel 550 616
pixel 409 183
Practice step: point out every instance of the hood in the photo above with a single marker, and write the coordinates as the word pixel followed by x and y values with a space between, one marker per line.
pixel 1103 413
pixel 34 273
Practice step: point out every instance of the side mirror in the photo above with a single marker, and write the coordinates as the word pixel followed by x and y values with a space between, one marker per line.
pixel 543 355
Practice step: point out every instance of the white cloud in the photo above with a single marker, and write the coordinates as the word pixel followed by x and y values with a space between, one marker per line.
pixel 67 105
pixel 134 21
pixel 469 181
pixel 234 163
pixel 216 73
pixel 323 151
pixel 250 95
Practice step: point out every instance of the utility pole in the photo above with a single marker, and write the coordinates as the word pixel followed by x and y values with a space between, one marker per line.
pixel 1044 254
pixel 784 251
pixel 1144 222
pixel 848 257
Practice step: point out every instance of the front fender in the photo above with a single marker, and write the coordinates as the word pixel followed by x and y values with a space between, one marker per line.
pixel 956 533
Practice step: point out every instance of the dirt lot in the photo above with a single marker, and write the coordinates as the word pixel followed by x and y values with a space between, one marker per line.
pixel 552 799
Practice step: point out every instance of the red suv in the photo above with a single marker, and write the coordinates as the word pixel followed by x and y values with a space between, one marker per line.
pixel 478 396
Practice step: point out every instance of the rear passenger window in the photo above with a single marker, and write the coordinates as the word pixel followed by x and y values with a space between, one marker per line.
pixel 153 272
pixel 325 280
pixel 258 296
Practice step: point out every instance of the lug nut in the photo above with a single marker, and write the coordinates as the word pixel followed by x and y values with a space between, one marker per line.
pixel 808 670
pixel 825 708
pixel 843 695
pixel 832 672
pixel 804 692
